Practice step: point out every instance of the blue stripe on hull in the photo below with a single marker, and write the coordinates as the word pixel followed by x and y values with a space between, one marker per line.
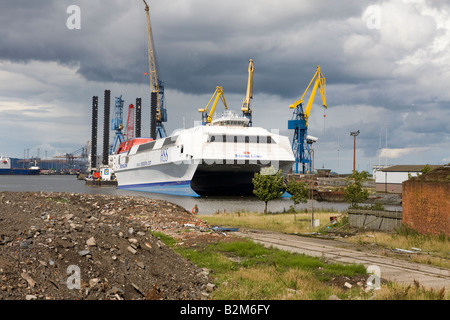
pixel 18 172
pixel 179 188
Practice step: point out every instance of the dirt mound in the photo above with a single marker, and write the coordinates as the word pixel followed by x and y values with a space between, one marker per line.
pixel 75 246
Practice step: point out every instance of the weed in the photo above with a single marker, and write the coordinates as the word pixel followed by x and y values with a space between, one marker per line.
pixel 60 200
pixel 167 240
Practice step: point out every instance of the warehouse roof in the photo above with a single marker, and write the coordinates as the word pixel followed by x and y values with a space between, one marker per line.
pixel 408 168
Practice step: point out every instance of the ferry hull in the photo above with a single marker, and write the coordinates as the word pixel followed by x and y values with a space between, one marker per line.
pixel 21 172
pixel 165 178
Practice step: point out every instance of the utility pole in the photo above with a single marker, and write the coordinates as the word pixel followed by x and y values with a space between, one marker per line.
pixel 354 135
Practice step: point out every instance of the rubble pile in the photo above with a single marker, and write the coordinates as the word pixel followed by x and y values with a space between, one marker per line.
pixel 79 246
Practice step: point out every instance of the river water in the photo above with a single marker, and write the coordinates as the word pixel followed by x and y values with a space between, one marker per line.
pixel 209 205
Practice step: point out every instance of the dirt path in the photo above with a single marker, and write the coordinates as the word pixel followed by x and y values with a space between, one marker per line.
pixel 396 270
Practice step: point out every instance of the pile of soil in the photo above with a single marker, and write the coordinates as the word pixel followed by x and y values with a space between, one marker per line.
pixel 78 246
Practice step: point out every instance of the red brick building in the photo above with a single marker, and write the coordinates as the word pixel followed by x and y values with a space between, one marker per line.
pixel 426 202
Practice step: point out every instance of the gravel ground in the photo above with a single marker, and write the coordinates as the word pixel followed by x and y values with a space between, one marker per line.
pixel 62 246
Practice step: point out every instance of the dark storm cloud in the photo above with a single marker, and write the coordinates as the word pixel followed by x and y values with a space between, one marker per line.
pixel 199 46
pixel 376 78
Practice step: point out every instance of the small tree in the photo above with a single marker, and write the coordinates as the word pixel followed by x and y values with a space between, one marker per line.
pixel 298 191
pixel 354 191
pixel 268 185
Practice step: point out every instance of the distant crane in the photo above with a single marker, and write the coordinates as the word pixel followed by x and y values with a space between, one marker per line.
pixel 207 117
pixel 301 141
pixel 246 111
pixel 156 84
pixel 117 125
pixel 130 122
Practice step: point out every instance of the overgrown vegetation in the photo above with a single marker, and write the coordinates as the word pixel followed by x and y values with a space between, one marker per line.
pixel 354 192
pixel 296 222
pixel 426 249
pixel 59 199
pixel 424 170
pixel 245 270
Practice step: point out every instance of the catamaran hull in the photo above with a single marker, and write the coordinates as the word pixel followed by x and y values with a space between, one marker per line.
pixel 164 178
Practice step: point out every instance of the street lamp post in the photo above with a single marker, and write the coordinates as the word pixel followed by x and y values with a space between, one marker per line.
pixel 354 135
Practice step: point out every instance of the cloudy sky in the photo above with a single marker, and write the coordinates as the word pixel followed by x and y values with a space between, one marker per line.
pixel 386 63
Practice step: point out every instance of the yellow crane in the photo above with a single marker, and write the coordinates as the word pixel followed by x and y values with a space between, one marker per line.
pixel 207 118
pixel 319 83
pixel 156 84
pixel 299 123
pixel 247 112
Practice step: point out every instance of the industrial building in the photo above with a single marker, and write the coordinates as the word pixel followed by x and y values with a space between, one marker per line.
pixel 389 179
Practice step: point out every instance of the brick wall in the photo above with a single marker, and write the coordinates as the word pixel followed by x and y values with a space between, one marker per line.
pixel 426 206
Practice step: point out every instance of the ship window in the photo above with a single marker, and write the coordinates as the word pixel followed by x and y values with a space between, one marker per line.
pixel 265 139
pixel 146 146
pixel 240 139
pixel 170 141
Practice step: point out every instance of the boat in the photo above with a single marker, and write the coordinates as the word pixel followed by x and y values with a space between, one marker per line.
pixel 6 168
pixel 218 159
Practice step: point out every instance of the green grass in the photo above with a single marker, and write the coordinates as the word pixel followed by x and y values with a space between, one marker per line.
pixel 291 222
pixel 248 270
pixel 59 199
pixel 167 240
pixel 245 270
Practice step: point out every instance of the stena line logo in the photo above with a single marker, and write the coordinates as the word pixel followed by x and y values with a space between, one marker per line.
pixel 247 154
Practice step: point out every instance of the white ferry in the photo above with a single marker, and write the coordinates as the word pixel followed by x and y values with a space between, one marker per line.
pixel 220 158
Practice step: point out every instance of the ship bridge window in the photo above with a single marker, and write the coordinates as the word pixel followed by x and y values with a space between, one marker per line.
pixel 240 139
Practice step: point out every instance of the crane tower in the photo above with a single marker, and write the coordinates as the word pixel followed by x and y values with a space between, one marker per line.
pixel 130 122
pixel 117 125
pixel 156 85
pixel 301 142
pixel 246 111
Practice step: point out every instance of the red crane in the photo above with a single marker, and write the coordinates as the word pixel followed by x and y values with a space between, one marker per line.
pixel 130 122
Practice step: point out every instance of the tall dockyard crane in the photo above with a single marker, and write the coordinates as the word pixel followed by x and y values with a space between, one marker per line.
pixel 301 141
pixel 156 84
pixel 117 125
pixel 247 112
pixel 207 117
